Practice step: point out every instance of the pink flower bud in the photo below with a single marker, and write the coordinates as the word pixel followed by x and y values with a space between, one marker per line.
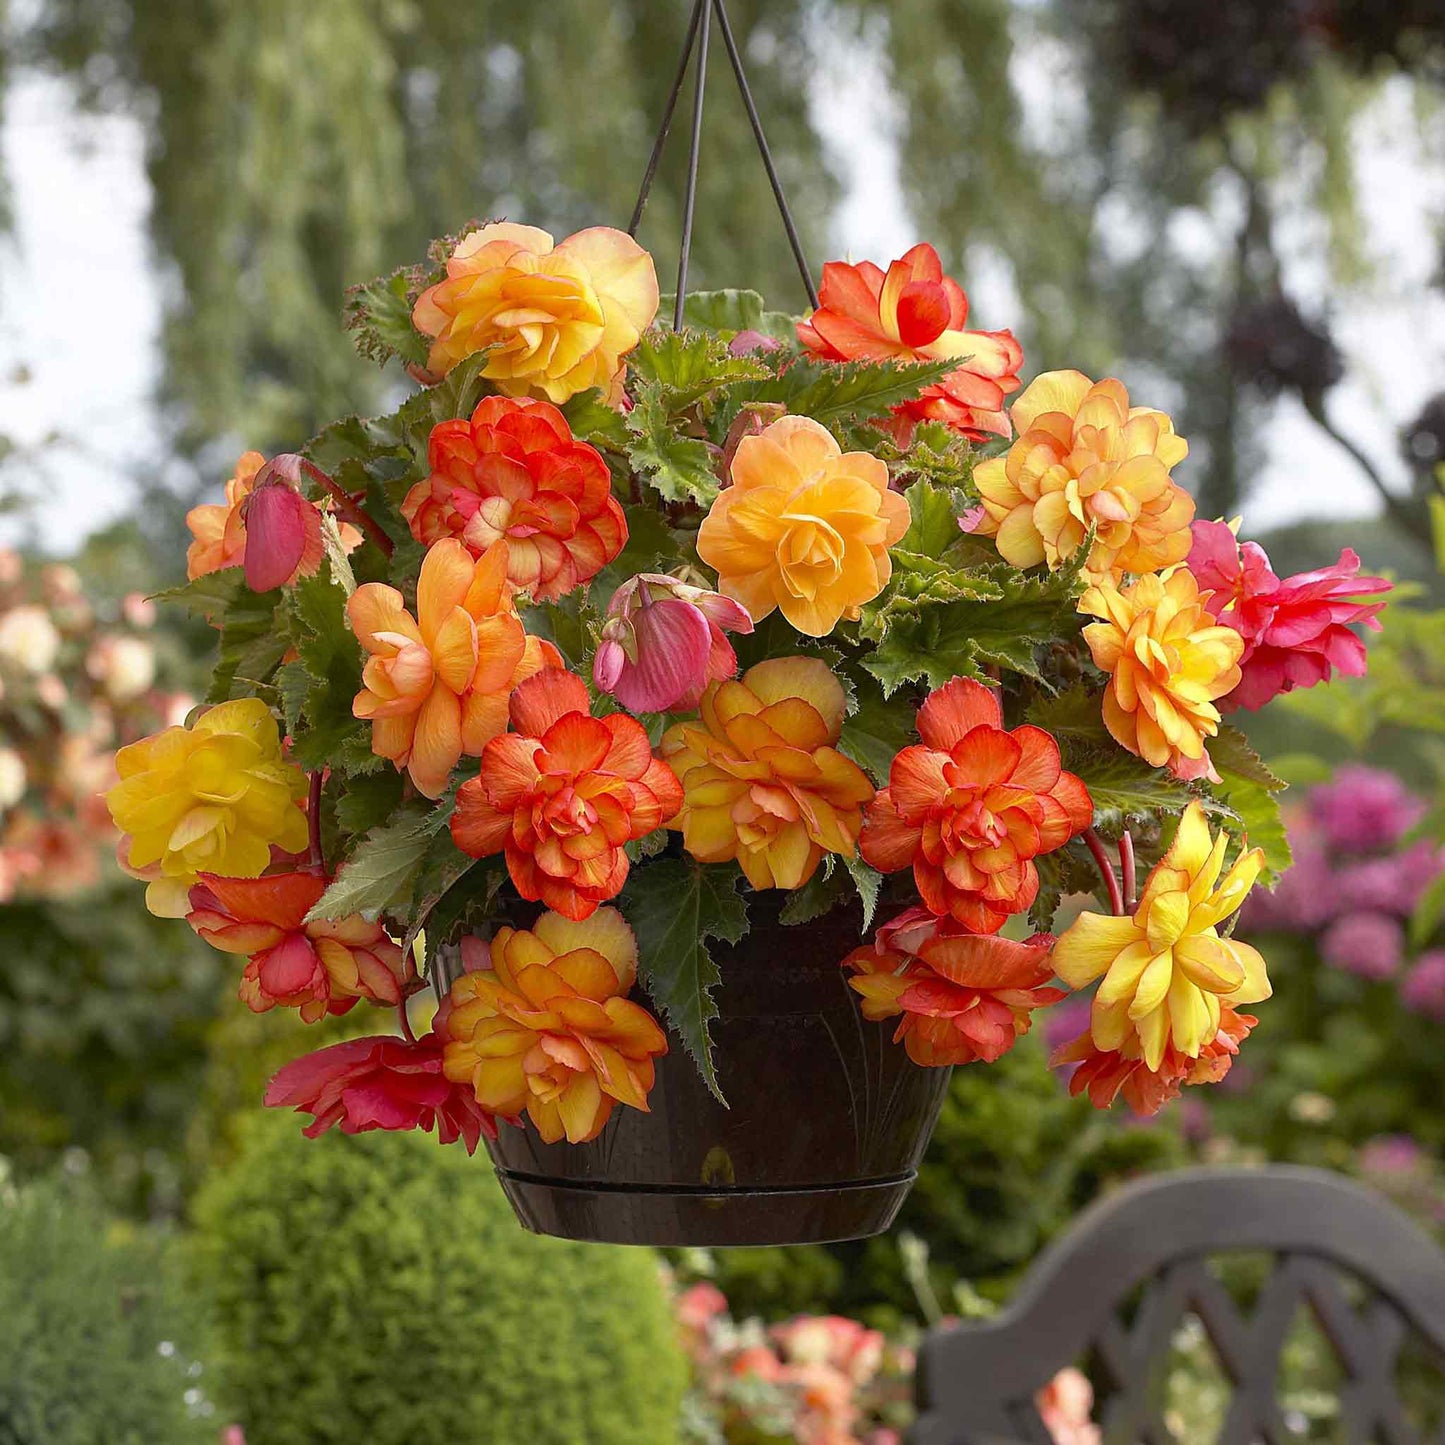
pixel 283 531
pixel 746 341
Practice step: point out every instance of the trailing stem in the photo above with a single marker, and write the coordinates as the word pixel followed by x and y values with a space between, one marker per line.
pixel 1095 845
pixel 347 506
pixel 1128 868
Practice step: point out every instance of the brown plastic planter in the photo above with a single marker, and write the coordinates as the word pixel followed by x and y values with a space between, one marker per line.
pixel 828 1117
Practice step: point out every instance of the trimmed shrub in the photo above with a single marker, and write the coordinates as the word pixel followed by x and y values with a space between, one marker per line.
pixel 378 1288
pixel 92 1343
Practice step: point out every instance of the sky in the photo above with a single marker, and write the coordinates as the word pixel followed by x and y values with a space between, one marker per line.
pixel 81 302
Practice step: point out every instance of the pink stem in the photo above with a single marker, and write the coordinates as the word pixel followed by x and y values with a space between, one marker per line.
pixel 313 820
pixel 1127 866
pixel 405 1022
pixel 1095 846
pixel 348 508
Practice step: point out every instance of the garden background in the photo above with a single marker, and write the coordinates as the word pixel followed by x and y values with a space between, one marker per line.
pixel 1234 207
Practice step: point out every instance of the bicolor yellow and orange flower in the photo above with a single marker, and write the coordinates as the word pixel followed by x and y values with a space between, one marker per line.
pixel 762 779
pixel 913 312
pixel 555 320
pixel 971 808
pixel 805 527
pixel 212 798
pixel 563 795
pixel 959 996
pixel 1166 972
pixel 320 968
pixel 514 471
pixel 1085 458
pixel 436 687
pixel 1168 662
pixel 541 1024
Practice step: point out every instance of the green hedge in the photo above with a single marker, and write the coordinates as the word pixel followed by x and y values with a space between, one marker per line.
pixel 377 1288
pixel 93 1347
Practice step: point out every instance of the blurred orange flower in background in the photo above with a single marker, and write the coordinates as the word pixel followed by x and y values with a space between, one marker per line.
pixel 563 795
pixel 1168 662
pixel 1085 458
pixel 555 320
pixel 541 1023
pixel 515 471
pixel 913 312
pixel 804 527
pixel 437 687
pixel 762 779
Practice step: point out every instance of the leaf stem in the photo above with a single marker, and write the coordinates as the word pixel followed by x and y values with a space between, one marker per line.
pixel 1128 867
pixel 1095 845
pixel 405 1022
pixel 313 820
pixel 349 508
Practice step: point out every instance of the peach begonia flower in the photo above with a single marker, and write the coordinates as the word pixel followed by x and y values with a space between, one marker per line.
pixel 1066 1406
pixel 322 967
pixel 805 527
pixel 762 779
pixel 1168 662
pixel 972 806
pixel 211 798
pixel 913 312
pixel 219 529
pixel 515 471
pixel 555 320
pixel 1085 458
pixel 436 687
pixel 1165 968
pixel 541 1023
pixel 958 996
pixel 563 795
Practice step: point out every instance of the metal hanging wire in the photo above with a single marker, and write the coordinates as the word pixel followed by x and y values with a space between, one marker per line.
pixel 696 42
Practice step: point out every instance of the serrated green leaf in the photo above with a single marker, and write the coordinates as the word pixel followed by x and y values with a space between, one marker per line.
pixel 731 311
pixel 876 731
pixel 469 899
pixel 331 657
pixel 593 420
pixel 816 897
pixel 835 392
pixel 686 366
pixel 934 528
pixel 212 593
pixel 367 802
pixel 680 468
pixel 869 883
pixel 1123 786
pixel 1249 790
pixel 381 871
pixel 674 905
pixel 379 313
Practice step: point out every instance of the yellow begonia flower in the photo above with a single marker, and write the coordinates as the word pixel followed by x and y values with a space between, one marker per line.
pixel 1085 458
pixel 1168 662
pixel 805 527
pixel 212 798
pixel 556 320
pixel 761 778
pixel 1165 969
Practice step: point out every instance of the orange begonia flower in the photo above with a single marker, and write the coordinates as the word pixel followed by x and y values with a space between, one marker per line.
pixel 1108 1073
pixel 804 527
pixel 515 471
pixel 963 996
pixel 1166 970
pixel 1169 662
pixel 220 528
pixel 543 1025
pixel 554 320
pixel 913 312
pixel 320 967
pixel 437 687
pixel 762 779
pixel 563 794
pixel 972 807
pixel 1085 458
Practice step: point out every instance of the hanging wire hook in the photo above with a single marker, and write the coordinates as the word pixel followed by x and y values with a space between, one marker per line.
pixel 662 131
pixel 689 198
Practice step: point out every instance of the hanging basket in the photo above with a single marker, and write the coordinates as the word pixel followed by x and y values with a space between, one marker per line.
pixel 827 1122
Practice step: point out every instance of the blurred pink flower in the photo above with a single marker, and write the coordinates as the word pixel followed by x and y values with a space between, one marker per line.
pixel 1065 1405
pixel 1296 630
pixel 664 641
pixel 1389 885
pixel 832 1340
pixel 1370 945
pixel 1364 809
pixel 1391 1154
pixel 1304 899
pixel 1065 1021
pixel 699 1304
pixel 1423 989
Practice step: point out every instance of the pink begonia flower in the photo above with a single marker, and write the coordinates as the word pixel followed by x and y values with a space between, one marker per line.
pixel 1370 945
pixel 833 1340
pixel 1424 987
pixel 381 1082
pixel 1304 900
pixel 1362 810
pixel 1065 1405
pixel 283 532
pixel 1297 630
pixel 664 641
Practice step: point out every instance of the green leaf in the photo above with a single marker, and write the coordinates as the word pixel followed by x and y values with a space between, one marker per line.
pixel 679 467
pixel 593 420
pixel 650 547
pixel 869 882
pixel 816 897
pixel 366 803
pixel 876 731
pixel 1124 787
pixel 935 520
pixel 674 905
pixel 831 393
pixel 250 646
pixel 211 594
pixel 686 366
pixel 1250 791
pixel 382 870
pixel 379 313
pixel 731 311
pixel 331 657
pixel 1428 913
pixel 467 901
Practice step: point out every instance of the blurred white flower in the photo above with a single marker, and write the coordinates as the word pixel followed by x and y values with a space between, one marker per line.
pixel 124 666
pixel 12 778
pixel 28 638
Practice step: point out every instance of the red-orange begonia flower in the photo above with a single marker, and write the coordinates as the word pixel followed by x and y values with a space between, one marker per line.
pixel 972 807
pixel 1106 1074
pixel 963 996
pixel 436 687
pixel 563 794
pixel 320 967
pixel 381 1082
pixel 913 312
pixel 515 471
